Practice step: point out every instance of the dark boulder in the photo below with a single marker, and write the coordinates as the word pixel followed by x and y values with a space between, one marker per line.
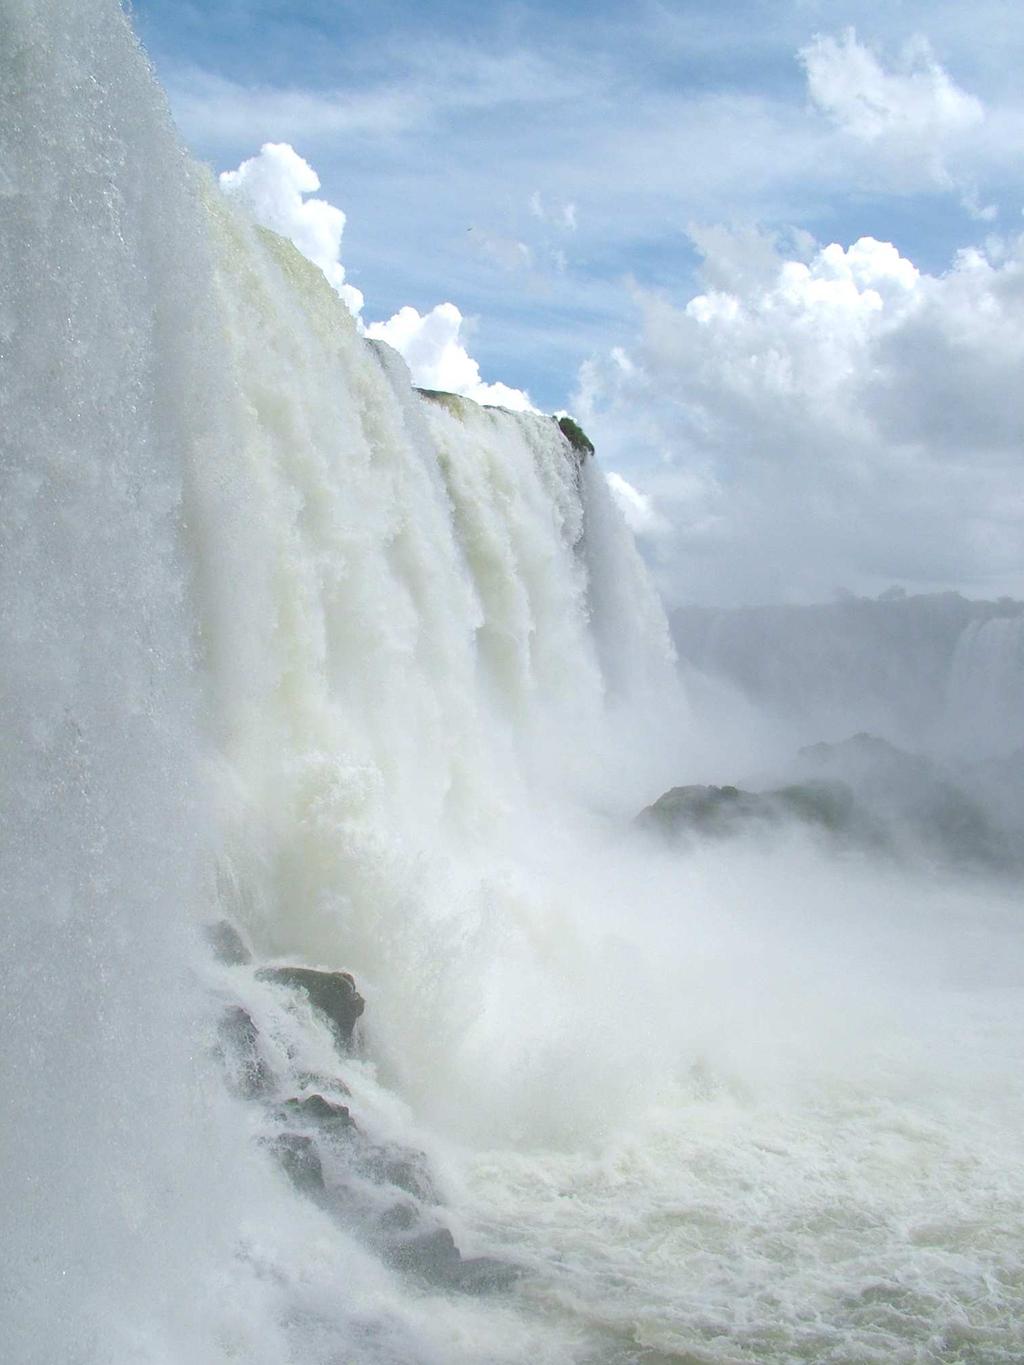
pixel 227 944
pixel 333 993
pixel 325 1113
pixel 300 1161
pixel 485 1275
pixel 399 1217
pixel 239 1046
pixel 714 811
pixel 434 1257
pixel 399 1166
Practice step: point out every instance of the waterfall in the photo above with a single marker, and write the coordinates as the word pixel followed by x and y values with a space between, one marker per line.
pixel 984 711
pixel 378 677
pixel 280 636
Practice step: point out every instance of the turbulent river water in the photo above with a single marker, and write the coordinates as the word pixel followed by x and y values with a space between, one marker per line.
pixel 380 678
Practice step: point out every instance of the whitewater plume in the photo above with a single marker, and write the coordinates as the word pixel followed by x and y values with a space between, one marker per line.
pixel 985 690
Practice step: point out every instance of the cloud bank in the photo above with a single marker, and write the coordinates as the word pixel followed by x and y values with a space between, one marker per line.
pixel 274 186
pixel 842 421
pixel 433 349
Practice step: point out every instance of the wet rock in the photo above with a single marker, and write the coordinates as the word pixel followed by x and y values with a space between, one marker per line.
pixel 333 993
pixel 239 1041
pixel 455 403
pixel 326 1113
pixel 723 812
pixel 318 1079
pixel 862 793
pixel 828 804
pixel 434 1256
pixel 485 1275
pixel 582 445
pixel 227 944
pixel 400 1217
pixel 714 811
pixel 300 1161
pixel 401 1167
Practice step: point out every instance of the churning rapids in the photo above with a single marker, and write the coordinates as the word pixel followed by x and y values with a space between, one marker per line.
pixel 379 679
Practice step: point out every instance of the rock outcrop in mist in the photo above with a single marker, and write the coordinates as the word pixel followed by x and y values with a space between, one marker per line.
pixel 864 795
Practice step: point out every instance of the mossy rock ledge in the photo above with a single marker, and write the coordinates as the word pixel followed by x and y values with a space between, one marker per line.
pixel 582 445
pixel 454 402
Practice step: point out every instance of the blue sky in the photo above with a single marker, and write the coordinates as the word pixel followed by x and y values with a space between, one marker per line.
pixel 564 171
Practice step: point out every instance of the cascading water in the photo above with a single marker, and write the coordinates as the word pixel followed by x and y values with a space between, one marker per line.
pixel 985 691
pixel 379 678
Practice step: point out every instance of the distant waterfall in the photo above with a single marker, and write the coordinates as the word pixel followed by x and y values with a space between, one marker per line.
pixel 985 692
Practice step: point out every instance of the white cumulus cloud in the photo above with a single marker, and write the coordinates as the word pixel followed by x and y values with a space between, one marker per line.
pixel 274 185
pixel 844 420
pixel 433 349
